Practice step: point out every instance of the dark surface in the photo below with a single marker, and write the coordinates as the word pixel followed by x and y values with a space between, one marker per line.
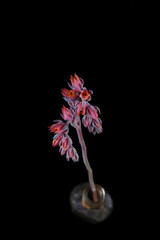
pixel 99 44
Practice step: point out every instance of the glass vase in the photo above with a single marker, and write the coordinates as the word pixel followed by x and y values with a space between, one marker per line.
pixel 83 206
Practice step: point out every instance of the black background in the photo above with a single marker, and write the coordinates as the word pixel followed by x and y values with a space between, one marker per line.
pixel 99 43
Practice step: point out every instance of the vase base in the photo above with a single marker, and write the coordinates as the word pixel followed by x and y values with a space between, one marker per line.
pixel 90 214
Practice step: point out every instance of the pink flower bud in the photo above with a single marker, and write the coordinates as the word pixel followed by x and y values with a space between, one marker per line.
pixel 81 108
pixel 76 82
pixel 72 153
pixel 59 127
pixel 99 130
pixel 66 113
pixel 57 140
pixel 92 112
pixel 90 128
pixel 62 151
pixel 86 120
pixel 66 142
pixel 97 122
pixel 76 157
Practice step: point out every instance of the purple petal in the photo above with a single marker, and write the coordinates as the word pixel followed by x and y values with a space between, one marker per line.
pixel 55 136
pixel 67 156
pixel 60 143
pixel 65 129
pixel 83 119
pixel 59 121
pixel 84 88
pixel 62 151
pixel 100 121
pixel 90 128
pixel 70 141
pixel 90 120
pixel 98 109
pixel 99 130
pixel 90 91
pixel 70 85
pixel 62 115
pixel 76 158
pixel 82 81
pixel 84 103
pixel 67 100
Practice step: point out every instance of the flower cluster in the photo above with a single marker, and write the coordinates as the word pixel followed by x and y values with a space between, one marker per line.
pixel 78 99
pixel 63 140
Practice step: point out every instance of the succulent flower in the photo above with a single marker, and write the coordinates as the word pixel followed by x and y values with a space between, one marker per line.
pixel 59 127
pixel 81 108
pixel 66 113
pixel 92 112
pixel 76 82
pixel 85 94
pixel 66 142
pixel 86 120
pixel 57 139
pixel 72 94
pixel 78 99
pixel 72 153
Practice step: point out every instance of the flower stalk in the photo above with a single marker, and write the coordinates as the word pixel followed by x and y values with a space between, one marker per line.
pixel 78 100
pixel 86 162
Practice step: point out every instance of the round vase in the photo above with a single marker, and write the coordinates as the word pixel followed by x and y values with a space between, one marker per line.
pixel 83 206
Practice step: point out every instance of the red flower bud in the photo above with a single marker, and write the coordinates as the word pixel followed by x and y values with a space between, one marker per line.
pixel 58 127
pixel 72 94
